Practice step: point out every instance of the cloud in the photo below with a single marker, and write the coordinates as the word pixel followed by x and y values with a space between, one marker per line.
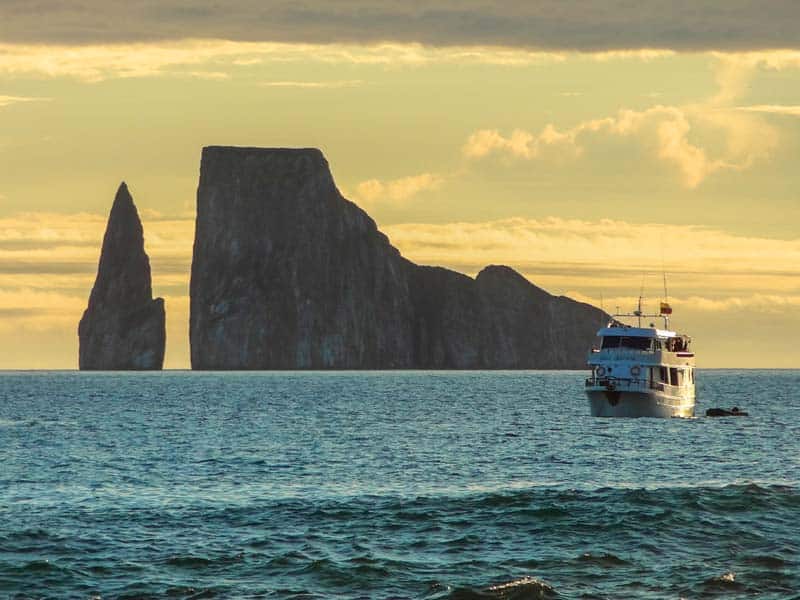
pixel 38 310
pixel 773 109
pixel 396 191
pixel 35 244
pixel 765 303
pixel 669 133
pixel 775 60
pixel 524 144
pixel 209 75
pixel 566 252
pixel 48 262
pixel 313 84
pixel 663 129
pixel 755 303
pixel 613 25
pixel 219 59
pixel 67 246
pixel 96 62
pixel 9 100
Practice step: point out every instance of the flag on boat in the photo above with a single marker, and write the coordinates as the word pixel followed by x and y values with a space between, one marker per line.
pixel 666 309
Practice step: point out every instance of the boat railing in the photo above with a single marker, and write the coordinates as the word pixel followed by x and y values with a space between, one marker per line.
pixel 628 383
pixel 653 358
pixel 615 381
pixel 623 353
pixel 631 384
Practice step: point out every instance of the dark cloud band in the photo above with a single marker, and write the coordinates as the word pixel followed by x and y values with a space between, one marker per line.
pixel 582 25
pixel 166 266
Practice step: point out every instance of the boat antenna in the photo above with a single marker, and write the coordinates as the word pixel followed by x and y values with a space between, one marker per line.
pixel 666 294
pixel 603 315
pixel 664 275
pixel 602 309
pixel 641 294
pixel 639 312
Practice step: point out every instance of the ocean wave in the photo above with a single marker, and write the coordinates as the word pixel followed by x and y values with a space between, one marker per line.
pixel 202 562
pixel 524 588
pixel 604 560
pixel 544 502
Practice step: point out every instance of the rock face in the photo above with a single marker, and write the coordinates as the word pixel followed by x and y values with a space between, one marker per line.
pixel 529 328
pixel 499 320
pixel 124 327
pixel 287 274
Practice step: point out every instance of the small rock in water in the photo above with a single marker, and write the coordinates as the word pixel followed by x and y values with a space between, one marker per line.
pixel 726 581
pixel 724 412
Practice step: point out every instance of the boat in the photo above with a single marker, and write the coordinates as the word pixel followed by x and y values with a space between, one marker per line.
pixel 641 371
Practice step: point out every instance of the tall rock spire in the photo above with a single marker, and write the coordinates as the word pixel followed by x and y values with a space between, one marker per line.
pixel 123 327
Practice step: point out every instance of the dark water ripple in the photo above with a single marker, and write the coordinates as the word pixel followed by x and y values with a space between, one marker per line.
pixel 391 485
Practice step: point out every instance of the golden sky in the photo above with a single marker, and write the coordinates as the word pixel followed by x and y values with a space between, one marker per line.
pixel 587 161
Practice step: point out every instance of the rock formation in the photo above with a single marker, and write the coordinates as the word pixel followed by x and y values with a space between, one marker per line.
pixel 124 327
pixel 288 274
pixel 529 328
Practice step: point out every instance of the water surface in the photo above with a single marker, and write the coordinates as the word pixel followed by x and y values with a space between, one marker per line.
pixel 392 484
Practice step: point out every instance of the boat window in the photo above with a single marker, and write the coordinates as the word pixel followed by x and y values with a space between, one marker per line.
pixel 610 342
pixel 664 377
pixel 657 344
pixel 674 377
pixel 633 343
pixel 637 343
pixel 678 344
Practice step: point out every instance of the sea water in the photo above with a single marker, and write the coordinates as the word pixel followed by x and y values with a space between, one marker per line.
pixel 392 485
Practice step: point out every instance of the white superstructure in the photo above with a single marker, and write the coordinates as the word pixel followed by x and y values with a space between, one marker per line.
pixel 641 371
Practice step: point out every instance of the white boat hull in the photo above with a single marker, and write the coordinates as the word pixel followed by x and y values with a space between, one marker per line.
pixel 646 403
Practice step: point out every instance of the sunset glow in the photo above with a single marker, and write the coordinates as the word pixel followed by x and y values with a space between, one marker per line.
pixel 592 170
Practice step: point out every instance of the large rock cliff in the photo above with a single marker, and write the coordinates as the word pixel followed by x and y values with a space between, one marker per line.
pixel 529 328
pixel 287 274
pixel 124 327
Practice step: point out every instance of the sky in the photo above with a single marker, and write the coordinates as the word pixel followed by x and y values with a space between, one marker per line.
pixel 591 146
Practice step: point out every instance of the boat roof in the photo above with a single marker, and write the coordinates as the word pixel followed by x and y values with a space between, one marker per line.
pixel 626 331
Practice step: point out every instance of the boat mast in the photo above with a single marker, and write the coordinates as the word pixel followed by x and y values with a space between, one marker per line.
pixel 639 311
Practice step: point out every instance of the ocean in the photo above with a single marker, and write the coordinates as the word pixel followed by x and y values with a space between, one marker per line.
pixel 430 485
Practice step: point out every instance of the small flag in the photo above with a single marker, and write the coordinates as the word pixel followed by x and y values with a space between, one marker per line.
pixel 666 309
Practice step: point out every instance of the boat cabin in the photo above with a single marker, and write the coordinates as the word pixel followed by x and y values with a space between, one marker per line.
pixel 644 339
